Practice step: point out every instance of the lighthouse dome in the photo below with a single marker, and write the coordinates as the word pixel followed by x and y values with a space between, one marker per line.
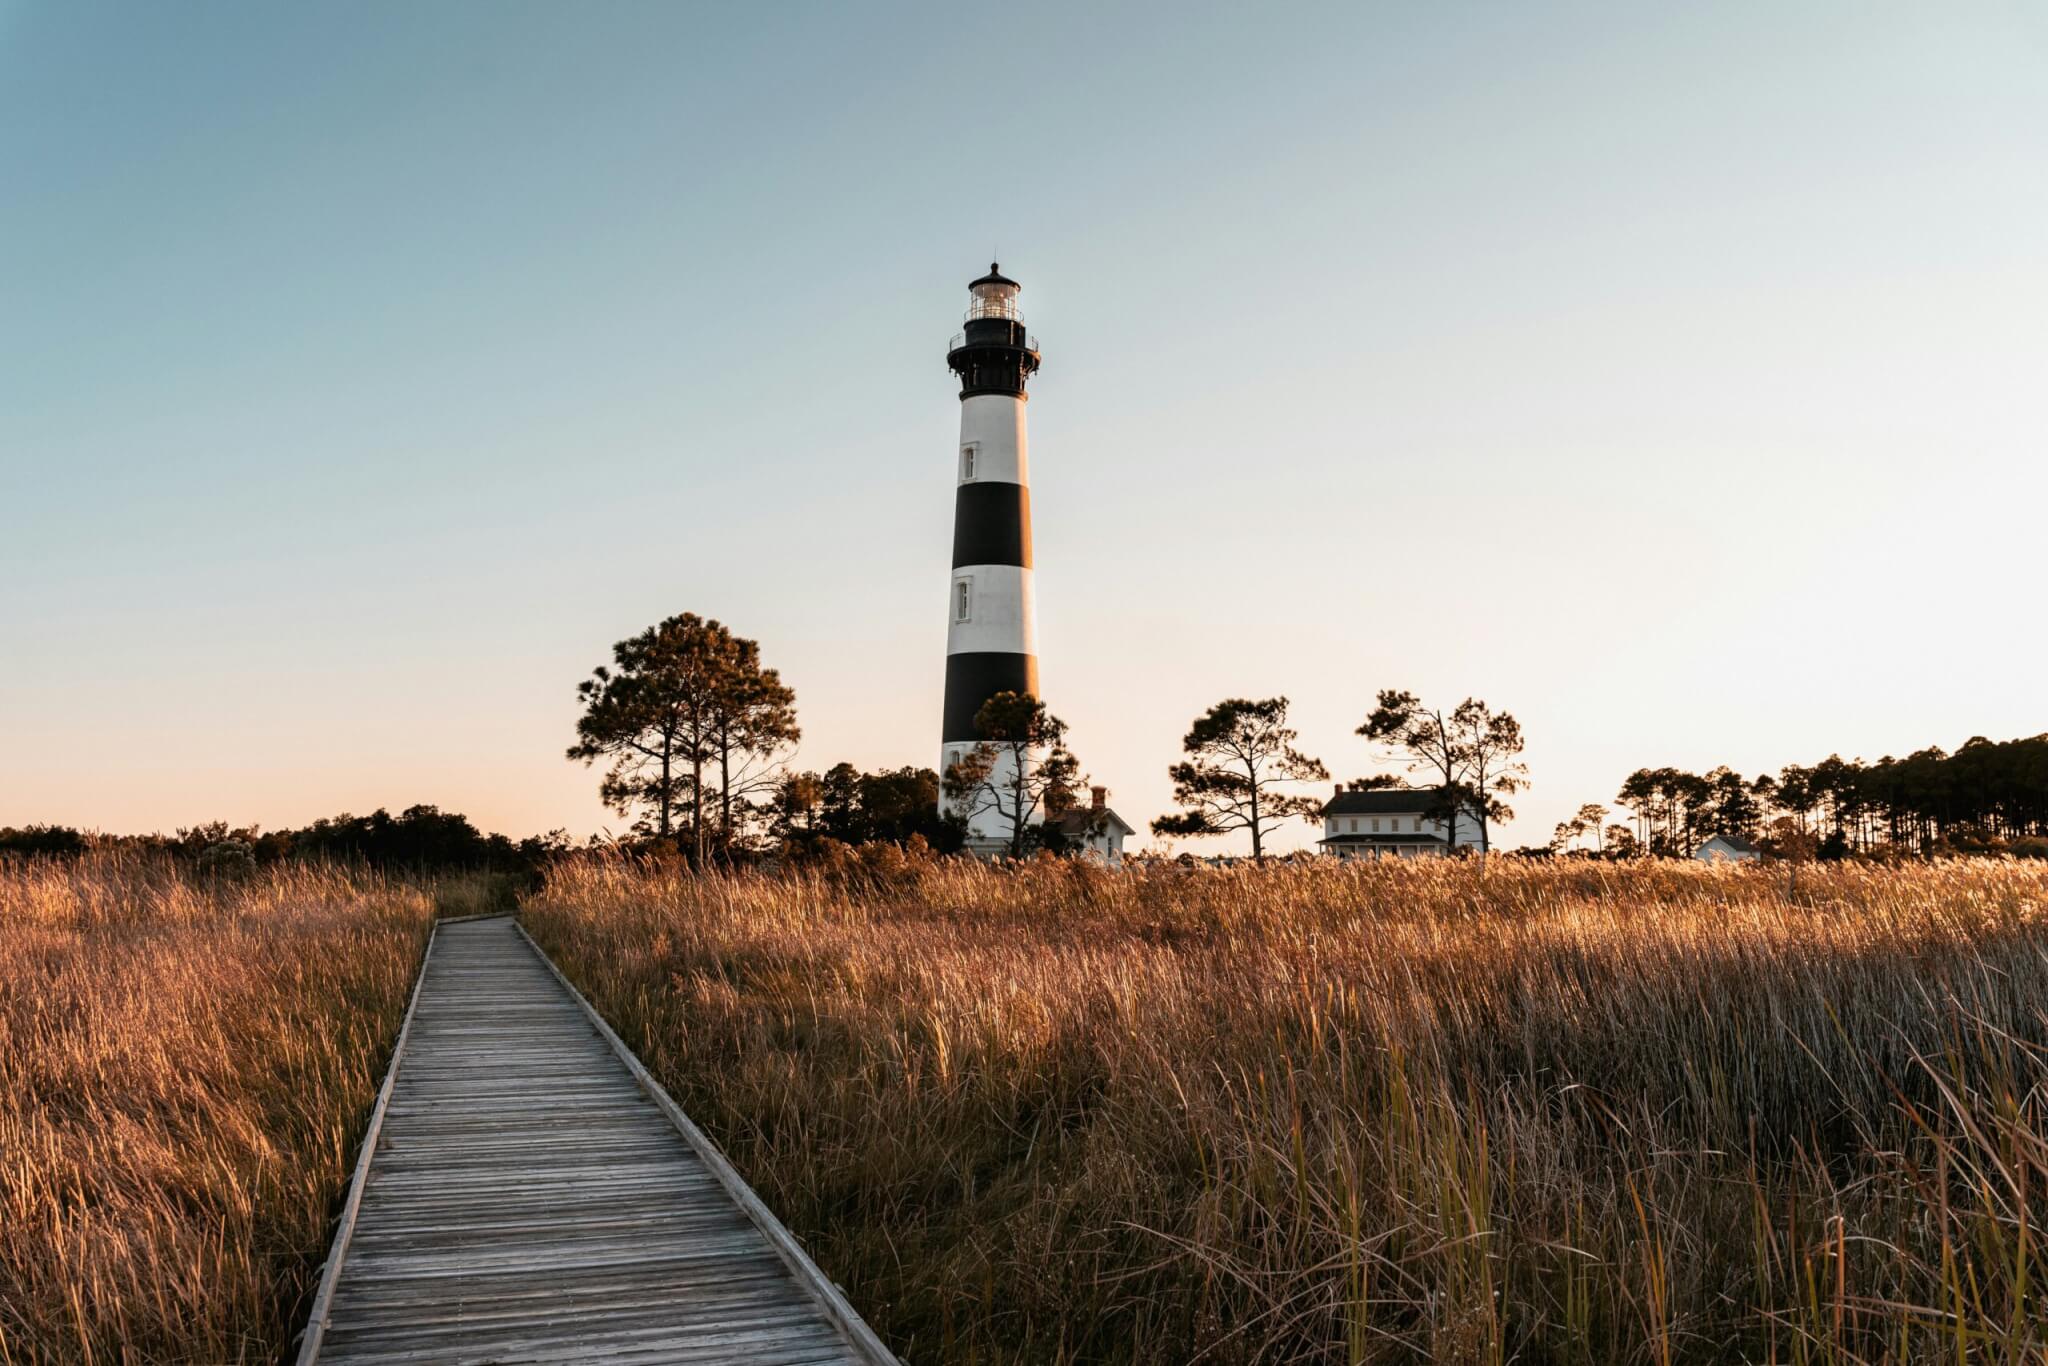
pixel 995 296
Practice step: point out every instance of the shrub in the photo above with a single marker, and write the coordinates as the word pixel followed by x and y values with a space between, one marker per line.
pixel 229 859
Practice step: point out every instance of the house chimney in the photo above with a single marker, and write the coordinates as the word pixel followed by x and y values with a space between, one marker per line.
pixel 1340 789
pixel 1101 796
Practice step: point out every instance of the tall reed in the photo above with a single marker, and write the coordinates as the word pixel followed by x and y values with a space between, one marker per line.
pixel 184 1068
pixel 1570 1113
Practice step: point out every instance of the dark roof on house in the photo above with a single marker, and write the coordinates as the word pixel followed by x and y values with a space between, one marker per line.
pixel 1075 820
pixel 1382 801
pixel 1382 839
pixel 995 276
pixel 1735 842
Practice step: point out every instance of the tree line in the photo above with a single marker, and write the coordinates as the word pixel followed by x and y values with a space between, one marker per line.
pixel 1986 797
pixel 417 839
pixel 696 732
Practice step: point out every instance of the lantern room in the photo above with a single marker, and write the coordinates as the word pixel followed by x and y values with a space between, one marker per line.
pixel 995 296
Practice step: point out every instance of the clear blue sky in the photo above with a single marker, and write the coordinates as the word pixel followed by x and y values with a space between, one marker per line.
pixel 1670 376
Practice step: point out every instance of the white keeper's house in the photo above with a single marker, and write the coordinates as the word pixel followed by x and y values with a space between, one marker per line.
pixel 1393 822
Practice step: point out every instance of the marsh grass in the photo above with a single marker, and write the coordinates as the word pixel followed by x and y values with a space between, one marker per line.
pixel 184 1067
pixel 1568 1113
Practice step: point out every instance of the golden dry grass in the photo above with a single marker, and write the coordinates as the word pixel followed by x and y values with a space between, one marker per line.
pixel 183 1073
pixel 1569 1113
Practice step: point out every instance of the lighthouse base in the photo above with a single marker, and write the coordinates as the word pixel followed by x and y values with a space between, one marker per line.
pixel 988 825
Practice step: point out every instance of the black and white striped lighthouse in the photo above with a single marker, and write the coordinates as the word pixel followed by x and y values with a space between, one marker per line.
pixel 991 640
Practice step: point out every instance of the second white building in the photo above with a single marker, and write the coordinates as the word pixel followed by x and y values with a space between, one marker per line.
pixel 1394 822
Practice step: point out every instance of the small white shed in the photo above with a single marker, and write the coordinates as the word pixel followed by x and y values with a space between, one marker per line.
pixel 1728 849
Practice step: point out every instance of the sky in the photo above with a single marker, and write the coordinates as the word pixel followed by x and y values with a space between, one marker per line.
pixel 1669 376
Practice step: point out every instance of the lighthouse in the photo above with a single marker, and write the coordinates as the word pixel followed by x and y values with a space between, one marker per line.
pixel 991 639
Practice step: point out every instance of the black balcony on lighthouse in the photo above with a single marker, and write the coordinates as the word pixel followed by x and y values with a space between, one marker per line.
pixel 993 354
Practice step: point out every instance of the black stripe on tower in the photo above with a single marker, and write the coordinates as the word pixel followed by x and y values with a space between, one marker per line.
pixel 992 524
pixel 973 677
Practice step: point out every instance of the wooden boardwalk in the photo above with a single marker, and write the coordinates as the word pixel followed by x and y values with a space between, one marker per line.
pixel 526 1193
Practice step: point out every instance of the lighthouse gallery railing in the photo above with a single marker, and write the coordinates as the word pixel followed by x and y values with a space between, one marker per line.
pixel 960 339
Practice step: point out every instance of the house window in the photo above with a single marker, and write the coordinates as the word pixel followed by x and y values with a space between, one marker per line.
pixel 1354 825
pixel 1375 823
pixel 967 462
pixel 963 598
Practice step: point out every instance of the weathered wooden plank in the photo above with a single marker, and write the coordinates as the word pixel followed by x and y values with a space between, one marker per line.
pixel 477 1159
pixel 402 1226
pixel 627 1350
pixel 528 1188
pixel 740 1338
pixel 535 1231
pixel 531 1195
pixel 628 1307
pixel 373 1268
pixel 480 1166
pixel 533 1299
pixel 565 1289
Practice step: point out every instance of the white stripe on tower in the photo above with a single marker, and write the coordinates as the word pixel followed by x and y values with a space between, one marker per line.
pixel 993 424
pixel 991 636
pixel 999 617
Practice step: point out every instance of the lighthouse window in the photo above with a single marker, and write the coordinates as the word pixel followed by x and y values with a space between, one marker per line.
pixel 967 462
pixel 963 593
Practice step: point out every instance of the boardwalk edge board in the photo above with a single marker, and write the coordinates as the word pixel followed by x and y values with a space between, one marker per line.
pixel 344 1227
pixel 827 1292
